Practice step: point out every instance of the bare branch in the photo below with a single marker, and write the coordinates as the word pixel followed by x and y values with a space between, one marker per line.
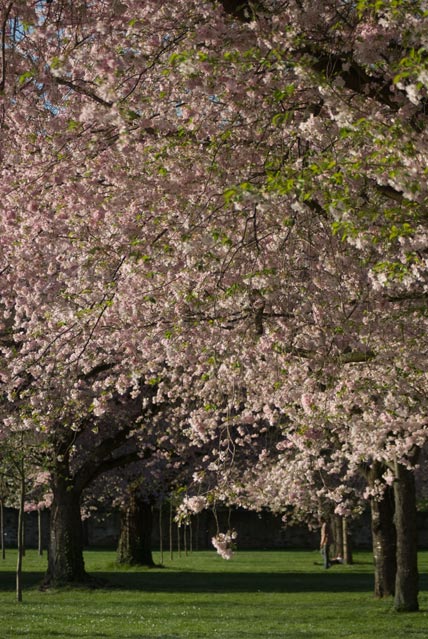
pixel 84 91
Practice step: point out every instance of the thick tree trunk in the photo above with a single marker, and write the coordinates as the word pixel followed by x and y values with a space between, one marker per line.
pixel 135 541
pixel 383 534
pixel 65 553
pixel 347 546
pixel 406 584
pixel 337 536
pixel 384 544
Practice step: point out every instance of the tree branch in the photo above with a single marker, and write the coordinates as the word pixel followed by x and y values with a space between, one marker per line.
pixel 83 90
pixel 3 45
pixel 90 473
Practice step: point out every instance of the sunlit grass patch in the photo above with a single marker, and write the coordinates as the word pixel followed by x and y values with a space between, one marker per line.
pixel 255 595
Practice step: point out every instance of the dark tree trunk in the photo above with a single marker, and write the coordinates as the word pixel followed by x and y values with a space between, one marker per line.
pixel 337 536
pixel 347 546
pixel 384 543
pixel 39 533
pixel 160 533
pixel 65 554
pixel 135 540
pixel 406 583
pixel 383 534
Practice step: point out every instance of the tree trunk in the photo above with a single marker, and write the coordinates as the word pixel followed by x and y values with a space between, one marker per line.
pixel 384 543
pixel 135 540
pixel 171 550
pixel 65 553
pixel 347 547
pixel 337 536
pixel 161 533
pixel 406 583
pixel 23 536
pixel 39 533
pixel 20 534
pixel 383 534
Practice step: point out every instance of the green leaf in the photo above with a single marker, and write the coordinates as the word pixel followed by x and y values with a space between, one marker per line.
pixel 25 76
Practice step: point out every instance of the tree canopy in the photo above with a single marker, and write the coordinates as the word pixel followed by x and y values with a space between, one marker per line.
pixel 217 211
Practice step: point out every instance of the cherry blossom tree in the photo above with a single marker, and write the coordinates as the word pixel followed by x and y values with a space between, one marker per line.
pixel 224 201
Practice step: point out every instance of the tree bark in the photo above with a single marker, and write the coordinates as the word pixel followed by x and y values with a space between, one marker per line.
pixel 337 536
pixel 407 578
pixel 347 546
pixel 161 532
pixel 384 544
pixel 20 534
pixel 65 554
pixel 171 549
pixel 383 534
pixel 135 540
pixel 39 533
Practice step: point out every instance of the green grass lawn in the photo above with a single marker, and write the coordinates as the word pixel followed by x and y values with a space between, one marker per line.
pixel 255 595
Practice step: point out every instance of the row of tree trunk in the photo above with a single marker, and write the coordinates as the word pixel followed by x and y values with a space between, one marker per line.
pixel 393 530
pixel 342 546
pixel 394 534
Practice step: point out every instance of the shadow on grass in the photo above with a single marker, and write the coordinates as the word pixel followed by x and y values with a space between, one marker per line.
pixel 29 580
pixel 239 582
pixel 206 582
pixel 214 582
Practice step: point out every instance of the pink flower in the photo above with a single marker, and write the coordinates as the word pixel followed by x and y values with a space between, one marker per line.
pixel 224 543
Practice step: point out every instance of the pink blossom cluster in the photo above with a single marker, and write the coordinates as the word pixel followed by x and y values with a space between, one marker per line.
pixel 224 543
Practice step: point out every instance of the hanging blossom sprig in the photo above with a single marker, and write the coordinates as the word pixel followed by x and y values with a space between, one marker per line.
pixel 224 543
